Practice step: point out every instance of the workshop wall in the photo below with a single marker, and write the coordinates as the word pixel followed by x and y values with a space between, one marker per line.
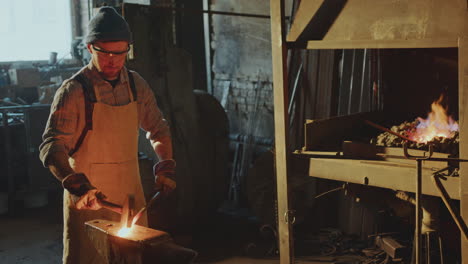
pixel 242 65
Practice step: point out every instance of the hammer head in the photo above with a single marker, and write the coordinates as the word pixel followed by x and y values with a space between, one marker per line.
pixel 128 211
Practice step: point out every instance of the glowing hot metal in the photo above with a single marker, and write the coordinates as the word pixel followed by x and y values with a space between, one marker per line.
pixel 124 232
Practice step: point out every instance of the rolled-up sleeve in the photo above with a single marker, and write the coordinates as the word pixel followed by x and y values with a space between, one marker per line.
pixel 150 117
pixel 64 121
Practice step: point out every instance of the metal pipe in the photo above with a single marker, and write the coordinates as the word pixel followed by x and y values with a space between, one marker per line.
pixel 418 240
pixel 192 10
pixel 446 199
pixel 351 84
pixel 363 84
pixel 21 107
pixel 418 209
pixel 207 35
pixel 8 155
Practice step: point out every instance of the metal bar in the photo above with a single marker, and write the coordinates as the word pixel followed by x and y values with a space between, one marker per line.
pixel 211 12
pixel 446 199
pixel 22 107
pixel 418 239
pixel 207 34
pixel 29 146
pixel 293 94
pixel 441 250
pixel 8 155
pixel 387 130
pixel 363 82
pixel 351 83
pixel 418 205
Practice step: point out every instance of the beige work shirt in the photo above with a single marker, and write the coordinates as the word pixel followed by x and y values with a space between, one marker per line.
pixel 67 117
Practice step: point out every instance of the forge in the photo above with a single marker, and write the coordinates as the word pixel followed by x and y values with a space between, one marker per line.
pixel 135 245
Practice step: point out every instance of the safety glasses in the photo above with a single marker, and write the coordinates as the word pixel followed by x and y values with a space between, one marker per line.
pixel 110 53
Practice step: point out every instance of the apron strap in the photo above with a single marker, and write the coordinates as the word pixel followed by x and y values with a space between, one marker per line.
pixel 89 100
pixel 132 85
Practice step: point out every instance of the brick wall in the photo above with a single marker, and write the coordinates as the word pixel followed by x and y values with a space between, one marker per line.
pixel 249 103
pixel 242 55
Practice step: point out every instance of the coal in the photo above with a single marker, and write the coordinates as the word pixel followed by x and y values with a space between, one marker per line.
pixel 441 144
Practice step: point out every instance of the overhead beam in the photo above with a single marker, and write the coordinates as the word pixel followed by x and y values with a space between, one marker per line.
pixel 322 20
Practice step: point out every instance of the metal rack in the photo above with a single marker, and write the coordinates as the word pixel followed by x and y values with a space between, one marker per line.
pixel 34 118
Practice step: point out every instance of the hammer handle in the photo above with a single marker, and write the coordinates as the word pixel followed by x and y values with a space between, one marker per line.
pixel 111 206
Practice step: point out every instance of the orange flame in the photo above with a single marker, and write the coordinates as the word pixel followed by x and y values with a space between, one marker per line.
pixel 437 124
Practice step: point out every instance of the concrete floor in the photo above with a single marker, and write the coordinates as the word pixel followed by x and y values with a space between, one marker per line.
pixel 34 236
pixel 31 236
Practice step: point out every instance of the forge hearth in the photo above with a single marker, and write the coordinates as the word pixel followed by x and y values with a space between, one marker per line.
pixel 441 144
pixel 337 150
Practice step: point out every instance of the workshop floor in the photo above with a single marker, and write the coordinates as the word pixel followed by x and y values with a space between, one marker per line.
pixel 34 236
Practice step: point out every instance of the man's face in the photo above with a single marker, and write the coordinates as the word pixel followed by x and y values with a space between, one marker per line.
pixel 109 57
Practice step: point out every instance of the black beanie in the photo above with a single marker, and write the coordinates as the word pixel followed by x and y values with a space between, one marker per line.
pixel 108 25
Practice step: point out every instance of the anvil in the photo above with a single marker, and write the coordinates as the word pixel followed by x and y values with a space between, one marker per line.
pixel 142 245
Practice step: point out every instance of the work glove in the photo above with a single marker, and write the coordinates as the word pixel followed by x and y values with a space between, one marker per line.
pixel 84 195
pixel 164 172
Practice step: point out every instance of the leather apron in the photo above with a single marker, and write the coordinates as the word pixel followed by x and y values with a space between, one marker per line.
pixel 108 157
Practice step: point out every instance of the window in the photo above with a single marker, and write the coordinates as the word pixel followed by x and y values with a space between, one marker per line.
pixel 31 29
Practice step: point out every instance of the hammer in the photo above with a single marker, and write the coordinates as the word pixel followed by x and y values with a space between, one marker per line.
pixel 126 211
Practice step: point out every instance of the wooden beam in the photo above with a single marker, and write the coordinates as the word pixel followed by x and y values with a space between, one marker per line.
pixel 377 44
pixel 384 174
pixel 389 20
pixel 280 92
pixel 463 113
pixel 322 20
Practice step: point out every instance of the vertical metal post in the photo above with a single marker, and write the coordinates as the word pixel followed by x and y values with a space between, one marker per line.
pixel 463 153
pixel 8 155
pixel 351 84
pixel 280 96
pixel 207 33
pixel 364 85
pixel 418 242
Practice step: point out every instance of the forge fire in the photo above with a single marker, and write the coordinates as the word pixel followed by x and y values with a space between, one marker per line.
pixel 438 129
